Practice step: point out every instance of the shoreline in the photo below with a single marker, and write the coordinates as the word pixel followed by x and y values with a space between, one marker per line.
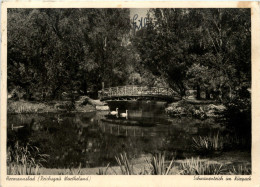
pixel 195 108
pixel 33 107
pixel 227 160
pixel 226 157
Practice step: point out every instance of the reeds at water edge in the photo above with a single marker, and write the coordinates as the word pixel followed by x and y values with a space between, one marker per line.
pixel 72 171
pixel 240 170
pixel 195 166
pixel 24 160
pixel 217 142
pixel 207 144
pixel 124 164
pixel 102 171
pixel 23 169
pixel 158 164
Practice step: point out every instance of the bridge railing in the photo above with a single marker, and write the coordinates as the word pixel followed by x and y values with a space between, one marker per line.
pixel 134 90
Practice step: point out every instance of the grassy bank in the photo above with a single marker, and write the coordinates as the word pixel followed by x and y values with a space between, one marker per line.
pixel 23 107
pixel 28 107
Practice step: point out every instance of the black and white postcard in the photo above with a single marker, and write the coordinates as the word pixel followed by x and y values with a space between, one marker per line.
pixel 130 88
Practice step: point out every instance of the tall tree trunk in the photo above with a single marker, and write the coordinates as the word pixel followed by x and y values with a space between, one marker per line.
pixel 207 94
pixel 198 92
pixel 230 92
pixel 85 85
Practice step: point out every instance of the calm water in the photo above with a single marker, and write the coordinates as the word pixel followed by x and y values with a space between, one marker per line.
pixel 94 139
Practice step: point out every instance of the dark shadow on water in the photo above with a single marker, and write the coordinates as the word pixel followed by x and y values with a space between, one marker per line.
pixel 94 139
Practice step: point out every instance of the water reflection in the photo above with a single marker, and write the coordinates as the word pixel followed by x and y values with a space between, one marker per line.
pixel 94 139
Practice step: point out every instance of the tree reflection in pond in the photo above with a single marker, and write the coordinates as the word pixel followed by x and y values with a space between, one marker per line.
pixel 89 140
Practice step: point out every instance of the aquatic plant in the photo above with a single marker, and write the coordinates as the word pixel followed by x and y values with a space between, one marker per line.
pixel 72 171
pixel 76 171
pixel 207 144
pixel 23 169
pixel 124 164
pixel 24 160
pixel 240 170
pixel 198 167
pixel 144 171
pixel 103 172
pixel 158 164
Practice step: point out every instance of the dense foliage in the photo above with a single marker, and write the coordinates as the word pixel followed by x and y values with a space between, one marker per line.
pixel 205 49
pixel 52 51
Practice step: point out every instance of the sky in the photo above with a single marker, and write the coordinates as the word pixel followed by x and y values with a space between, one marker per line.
pixel 140 11
pixel 138 15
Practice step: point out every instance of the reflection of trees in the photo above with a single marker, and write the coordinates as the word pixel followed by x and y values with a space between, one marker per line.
pixel 70 144
pixel 21 119
pixel 133 146
pixel 63 141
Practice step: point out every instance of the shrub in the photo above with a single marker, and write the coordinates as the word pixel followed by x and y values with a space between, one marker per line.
pixel 175 111
pixel 199 113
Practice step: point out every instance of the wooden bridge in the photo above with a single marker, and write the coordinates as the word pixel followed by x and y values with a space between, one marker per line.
pixel 133 92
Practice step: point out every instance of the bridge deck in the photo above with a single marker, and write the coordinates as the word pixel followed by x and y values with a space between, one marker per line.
pixel 137 92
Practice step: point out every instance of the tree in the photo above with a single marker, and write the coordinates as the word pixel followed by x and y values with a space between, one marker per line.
pixel 199 47
pixel 163 46
pixel 220 48
pixel 51 51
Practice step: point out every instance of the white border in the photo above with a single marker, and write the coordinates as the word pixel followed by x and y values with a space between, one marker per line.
pixel 174 180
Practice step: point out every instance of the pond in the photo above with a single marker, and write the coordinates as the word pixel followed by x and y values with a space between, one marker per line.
pixel 94 139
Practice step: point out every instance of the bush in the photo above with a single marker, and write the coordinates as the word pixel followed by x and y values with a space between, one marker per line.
pixel 65 106
pixel 17 93
pixel 199 111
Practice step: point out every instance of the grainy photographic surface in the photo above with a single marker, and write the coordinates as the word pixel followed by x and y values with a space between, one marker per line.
pixel 108 91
